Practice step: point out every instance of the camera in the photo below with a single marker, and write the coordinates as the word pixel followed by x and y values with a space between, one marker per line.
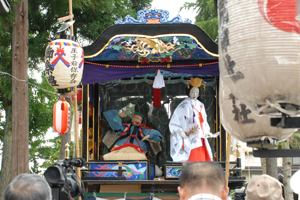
pixel 240 194
pixel 63 180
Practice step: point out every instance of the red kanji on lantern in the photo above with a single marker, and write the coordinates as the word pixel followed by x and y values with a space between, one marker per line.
pixel 61 116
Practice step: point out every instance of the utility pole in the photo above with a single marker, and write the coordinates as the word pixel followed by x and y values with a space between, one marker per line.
pixel 272 169
pixel 20 111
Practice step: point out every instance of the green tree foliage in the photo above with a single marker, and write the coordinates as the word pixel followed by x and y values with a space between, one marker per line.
pixel 6 20
pixel 91 18
pixel 40 119
pixel 90 22
pixel 49 153
pixel 206 17
pixel 294 140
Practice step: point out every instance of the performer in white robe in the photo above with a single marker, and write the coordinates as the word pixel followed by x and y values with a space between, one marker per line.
pixel 189 128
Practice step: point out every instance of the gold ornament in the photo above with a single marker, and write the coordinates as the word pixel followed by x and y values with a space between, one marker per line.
pixel 194 129
pixel 195 82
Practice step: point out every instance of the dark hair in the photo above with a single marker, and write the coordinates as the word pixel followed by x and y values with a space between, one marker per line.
pixel 28 187
pixel 204 173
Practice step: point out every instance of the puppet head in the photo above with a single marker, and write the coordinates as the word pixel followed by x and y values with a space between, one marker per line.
pixel 193 86
pixel 194 93
pixel 137 119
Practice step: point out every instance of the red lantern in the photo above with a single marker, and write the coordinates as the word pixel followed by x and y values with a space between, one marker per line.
pixel 61 116
pixel 79 116
pixel 79 95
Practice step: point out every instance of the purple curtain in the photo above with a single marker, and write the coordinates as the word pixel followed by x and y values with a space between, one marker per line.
pixel 95 73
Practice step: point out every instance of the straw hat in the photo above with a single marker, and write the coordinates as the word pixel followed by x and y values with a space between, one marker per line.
pixel 264 187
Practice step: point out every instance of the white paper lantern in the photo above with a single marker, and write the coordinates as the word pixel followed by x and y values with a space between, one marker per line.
pixel 259 48
pixel 64 63
pixel 244 123
pixel 295 181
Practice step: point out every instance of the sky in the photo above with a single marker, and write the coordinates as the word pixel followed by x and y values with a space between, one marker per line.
pixel 173 6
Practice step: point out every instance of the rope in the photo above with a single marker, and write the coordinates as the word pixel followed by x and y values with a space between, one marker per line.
pixel 148 66
pixel 5 73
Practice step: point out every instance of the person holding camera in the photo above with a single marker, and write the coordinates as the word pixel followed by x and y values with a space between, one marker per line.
pixel 202 180
pixel 28 187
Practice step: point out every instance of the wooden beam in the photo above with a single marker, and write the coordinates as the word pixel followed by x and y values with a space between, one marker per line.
pixel 227 157
pixel 65 18
pixel 74 92
pixel 264 153
pixel 286 122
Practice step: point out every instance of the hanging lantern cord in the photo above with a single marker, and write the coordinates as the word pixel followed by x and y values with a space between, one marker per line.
pixel 62 96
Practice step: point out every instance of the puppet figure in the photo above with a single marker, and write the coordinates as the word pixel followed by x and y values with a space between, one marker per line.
pixel 130 141
pixel 189 128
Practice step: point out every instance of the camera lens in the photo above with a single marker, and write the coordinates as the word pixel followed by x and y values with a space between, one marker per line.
pixel 53 175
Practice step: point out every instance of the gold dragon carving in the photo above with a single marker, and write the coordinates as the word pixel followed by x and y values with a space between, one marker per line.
pixel 145 46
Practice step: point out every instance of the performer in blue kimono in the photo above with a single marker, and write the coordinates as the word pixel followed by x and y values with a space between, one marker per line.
pixel 129 141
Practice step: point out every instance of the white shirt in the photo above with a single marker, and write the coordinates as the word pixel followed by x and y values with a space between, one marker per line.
pixel 204 197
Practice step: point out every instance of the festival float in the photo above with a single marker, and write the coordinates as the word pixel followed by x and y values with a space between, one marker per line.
pixel 120 71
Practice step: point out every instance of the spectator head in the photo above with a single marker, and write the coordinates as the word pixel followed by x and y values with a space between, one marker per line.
pixel 28 187
pixel 264 187
pixel 202 178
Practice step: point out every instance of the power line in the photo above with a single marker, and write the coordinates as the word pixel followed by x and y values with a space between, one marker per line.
pixel 5 73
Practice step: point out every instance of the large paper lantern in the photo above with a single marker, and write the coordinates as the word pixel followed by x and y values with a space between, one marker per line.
pixel 61 116
pixel 64 63
pixel 245 124
pixel 259 48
